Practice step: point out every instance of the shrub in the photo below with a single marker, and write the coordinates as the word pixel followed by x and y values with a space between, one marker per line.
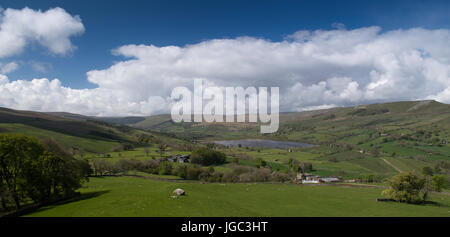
pixel 246 177
pixel 181 171
pixel 262 175
pixel 280 177
pixel 152 166
pixel 165 168
pixel 230 177
pixel 216 176
pixel 193 172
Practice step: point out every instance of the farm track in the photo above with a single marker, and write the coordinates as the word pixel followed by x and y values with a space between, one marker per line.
pixel 393 166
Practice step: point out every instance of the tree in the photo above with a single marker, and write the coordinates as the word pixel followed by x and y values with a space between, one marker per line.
pixel 53 147
pixel 147 151
pixel 407 187
pixel 3 195
pixel 261 162
pixel 427 171
pixel 181 171
pixel 100 166
pixel 38 171
pixel 15 152
pixel 290 162
pixel 439 182
pixel 369 178
pixel 54 173
pixel 165 168
pixel 162 148
pixel 206 156
pixel 193 172
pixel 306 166
pixel 127 146
pixel 235 160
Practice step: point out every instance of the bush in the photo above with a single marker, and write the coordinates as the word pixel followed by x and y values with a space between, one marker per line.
pixel 152 166
pixel 230 177
pixel 280 177
pixel 262 175
pixel 193 172
pixel 216 176
pixel 206 156
pixel 165 168
pixel 181 171
pixel 246 177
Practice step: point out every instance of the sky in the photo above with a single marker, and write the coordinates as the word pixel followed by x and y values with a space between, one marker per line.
pixel 124 57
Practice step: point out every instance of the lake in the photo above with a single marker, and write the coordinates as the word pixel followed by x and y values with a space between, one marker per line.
pixel 261 143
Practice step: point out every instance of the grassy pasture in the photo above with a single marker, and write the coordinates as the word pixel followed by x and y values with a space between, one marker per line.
pixel 130 196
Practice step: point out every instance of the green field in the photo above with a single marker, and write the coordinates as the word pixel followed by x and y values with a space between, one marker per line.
pixel 130 196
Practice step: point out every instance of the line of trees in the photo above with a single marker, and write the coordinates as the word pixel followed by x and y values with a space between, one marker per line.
pixel 37 170
pixel 190 171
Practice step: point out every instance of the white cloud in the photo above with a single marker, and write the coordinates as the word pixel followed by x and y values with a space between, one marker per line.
pixel 42 67
pixel 3 79
pixel 314 69
pixel 51 29
pixel 8 67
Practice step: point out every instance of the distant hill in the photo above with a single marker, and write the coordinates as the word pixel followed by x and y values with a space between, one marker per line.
pixel 416 113
pixel 72 130
pixel 341 124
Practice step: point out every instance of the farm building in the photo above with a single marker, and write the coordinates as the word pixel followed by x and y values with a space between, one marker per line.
pixel 310 178
pixel 179 158
pixel 310 181
pixel 329 180
pixel 306 176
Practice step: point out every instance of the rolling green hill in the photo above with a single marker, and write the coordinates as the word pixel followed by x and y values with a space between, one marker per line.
pixel 87 129
pixel 381 139
pixel 74 131
pixel 319 125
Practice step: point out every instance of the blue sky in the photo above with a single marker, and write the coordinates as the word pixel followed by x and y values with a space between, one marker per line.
pixel 321 54
pixel 110 24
